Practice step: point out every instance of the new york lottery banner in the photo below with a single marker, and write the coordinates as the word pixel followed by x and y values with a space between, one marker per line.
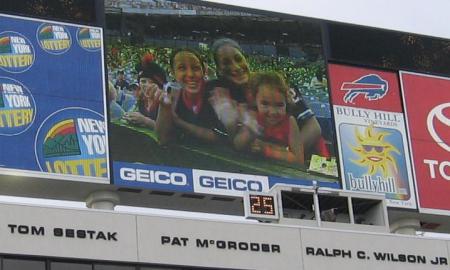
pixel 371 133
pixel 52 102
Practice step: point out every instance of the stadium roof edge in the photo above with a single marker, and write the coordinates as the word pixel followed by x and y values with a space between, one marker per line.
pixel 411 16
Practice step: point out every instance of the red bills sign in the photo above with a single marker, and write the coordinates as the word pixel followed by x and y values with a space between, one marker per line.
pixel 427 105
pixel 364 88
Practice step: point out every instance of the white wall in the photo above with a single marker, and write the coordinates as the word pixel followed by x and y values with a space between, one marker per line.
pixel 110 236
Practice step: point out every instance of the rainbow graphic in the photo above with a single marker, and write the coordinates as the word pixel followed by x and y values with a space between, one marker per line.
pixel 46 33
pixel 61 140
pixel 5 45
pixel 84 33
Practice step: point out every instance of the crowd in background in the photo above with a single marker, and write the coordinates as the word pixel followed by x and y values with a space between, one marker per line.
pixel 299 74
pixel 251 102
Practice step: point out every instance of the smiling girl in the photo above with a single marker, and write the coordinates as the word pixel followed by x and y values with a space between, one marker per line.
pixel 189 110
pixel 277 135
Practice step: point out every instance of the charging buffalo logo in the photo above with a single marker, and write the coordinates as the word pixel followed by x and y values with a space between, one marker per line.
pixel 16 52
pixel 374 152
pixel 72 141
pixel 17 107
pixel 89 38
pixel 372 87
pixel 373 162
pixel 54 39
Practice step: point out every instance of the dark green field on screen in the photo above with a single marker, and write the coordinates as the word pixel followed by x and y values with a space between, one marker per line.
pixel 140 145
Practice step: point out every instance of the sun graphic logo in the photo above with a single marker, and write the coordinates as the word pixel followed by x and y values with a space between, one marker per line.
pixel 54 39
pixel 17 107
pixel 72 141
pixel 373 152
pixel 89 39
pixel 16 52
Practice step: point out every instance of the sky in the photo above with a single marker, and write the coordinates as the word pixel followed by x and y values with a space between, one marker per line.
pixel 428 17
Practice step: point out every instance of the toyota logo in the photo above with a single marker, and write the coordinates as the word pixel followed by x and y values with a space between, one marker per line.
pixel 438 114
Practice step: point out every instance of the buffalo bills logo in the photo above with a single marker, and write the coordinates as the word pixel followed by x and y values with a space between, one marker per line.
pixel 372 86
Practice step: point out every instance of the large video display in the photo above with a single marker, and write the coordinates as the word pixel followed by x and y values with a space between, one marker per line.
pixel 52 100
pixel 429 132
pixel 216 101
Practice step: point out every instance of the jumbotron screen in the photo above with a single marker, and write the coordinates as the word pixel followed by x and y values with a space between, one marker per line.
pixel 210 100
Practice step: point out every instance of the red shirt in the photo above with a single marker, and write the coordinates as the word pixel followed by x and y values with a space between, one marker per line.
pixel 276 134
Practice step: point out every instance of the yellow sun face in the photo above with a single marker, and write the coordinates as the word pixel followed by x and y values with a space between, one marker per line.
pixel 373 152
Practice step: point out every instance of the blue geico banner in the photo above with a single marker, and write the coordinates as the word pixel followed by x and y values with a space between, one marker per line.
pixel 200 181
pixel 153 177
pixel 52 101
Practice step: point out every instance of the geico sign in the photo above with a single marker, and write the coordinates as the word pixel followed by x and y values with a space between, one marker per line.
pixel 153 176
pixel 207 181
pixel 436 116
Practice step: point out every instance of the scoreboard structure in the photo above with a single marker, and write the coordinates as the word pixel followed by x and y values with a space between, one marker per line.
pixel 356 148
pixel 111 240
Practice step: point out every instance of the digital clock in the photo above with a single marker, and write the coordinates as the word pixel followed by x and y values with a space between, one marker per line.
pixel 261 206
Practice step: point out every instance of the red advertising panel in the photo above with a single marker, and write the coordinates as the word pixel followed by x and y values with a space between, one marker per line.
pixel 365 88
pixel 427 104
pixel 371 133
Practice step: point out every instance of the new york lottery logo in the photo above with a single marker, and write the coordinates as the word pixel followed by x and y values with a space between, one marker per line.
pixel 54 39
pixel 72 141
pixel 16 52
pixel 17 107
pixel 89 39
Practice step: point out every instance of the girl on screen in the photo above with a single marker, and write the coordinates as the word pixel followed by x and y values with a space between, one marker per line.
pixel 276 135
pixel 230 95
pixel 229 91
pixel 186 114
pixel 151 78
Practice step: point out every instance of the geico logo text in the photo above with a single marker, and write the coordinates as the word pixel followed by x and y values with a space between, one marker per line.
pixel 230 183
pixel 153 176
